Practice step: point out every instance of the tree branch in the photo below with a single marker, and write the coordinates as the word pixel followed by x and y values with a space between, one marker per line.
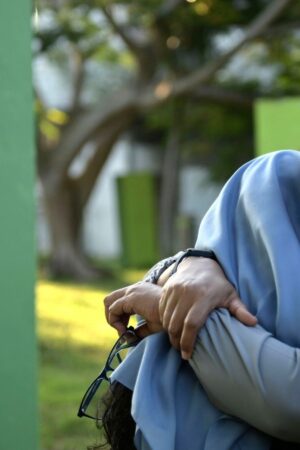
pixel 87 126
pixel 281 28
pixel 169 183
pixel 124 33
pixel 167 8
pixel 218 94
pixel 141 47
pixel 41 141
pixel 83 128
pixel 258 26
pixel 206 74
pixel 78 63
pixel 104 142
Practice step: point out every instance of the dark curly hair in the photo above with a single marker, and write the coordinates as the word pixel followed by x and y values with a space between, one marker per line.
pixel 116 422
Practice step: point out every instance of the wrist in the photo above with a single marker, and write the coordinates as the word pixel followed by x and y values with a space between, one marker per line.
pixel 193 253
pixel 193 264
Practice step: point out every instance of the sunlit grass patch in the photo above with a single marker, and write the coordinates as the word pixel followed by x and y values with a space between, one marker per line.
pixel 73 314
pixel 74 339
pixel 131 276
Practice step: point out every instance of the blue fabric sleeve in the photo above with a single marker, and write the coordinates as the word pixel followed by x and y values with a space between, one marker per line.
pixel 249 374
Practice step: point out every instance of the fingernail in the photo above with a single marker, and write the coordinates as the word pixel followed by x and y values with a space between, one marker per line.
pixel 185 355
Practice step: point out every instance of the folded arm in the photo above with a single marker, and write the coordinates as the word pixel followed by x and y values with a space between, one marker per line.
pixel 244 370
pixel 178 304
pixel 249 374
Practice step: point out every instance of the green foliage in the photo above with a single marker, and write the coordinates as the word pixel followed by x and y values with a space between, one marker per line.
pixel 185 39
pixel 223 142
pixel 285 55
pixel 217 136
pixel 79 26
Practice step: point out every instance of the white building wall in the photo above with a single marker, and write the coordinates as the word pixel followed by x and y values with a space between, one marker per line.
pixel 100 227
pixel 196 192
pixel 101 223
pixel 101 236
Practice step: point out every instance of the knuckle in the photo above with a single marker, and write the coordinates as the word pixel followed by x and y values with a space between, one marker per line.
pixel 174 342
pixel 184 346
pixel 191 323
pixel 167 292
pixel 126 308
pixel 161 303
pixel 165 323
pixel 235 305
pixel 174 287
pixel 184 285
pixel 174 327
pixel 129 290
pixel 161 312
pixel 173 331
pixel 106 300
pixel 177 284
pixel 203 290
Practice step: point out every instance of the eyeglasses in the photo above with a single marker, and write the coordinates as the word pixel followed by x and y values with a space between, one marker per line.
pixel 92 404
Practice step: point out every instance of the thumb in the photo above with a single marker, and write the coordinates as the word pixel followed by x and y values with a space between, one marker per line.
pixel 240 312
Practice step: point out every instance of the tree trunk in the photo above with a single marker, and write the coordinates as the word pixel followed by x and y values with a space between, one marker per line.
pixel 64 220
pixel 169 187
pixel 65 202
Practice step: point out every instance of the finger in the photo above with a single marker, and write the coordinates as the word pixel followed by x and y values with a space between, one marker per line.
pixel 169 309
pixel 176 324
pixel 111 298
pixel 162 304
pixel 167 296
pixel 240 312
pixel 120 324
pixel 194 320
pixel 119 314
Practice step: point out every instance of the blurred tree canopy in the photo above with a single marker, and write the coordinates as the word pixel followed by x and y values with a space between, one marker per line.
pixel 182 72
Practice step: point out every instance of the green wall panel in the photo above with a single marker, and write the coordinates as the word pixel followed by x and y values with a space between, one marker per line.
pixel 18 410
pixel 277 124
pixel 137 195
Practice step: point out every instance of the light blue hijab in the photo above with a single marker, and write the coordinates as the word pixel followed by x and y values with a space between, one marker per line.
pixel 254 229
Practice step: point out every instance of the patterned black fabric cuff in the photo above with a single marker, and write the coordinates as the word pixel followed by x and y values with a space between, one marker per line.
pixel 156 271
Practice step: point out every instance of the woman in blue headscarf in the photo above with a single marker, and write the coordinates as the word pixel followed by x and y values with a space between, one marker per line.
pixel 241 385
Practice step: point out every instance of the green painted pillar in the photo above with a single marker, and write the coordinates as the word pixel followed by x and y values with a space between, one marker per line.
pixel 18 405
pixel 137 195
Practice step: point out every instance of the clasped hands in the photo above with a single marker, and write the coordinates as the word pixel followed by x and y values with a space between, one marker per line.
pixel 178 305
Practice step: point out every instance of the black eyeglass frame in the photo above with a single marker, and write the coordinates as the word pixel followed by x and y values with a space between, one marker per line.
pixel 126 340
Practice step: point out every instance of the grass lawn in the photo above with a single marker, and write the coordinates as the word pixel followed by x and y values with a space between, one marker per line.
pixel 73 343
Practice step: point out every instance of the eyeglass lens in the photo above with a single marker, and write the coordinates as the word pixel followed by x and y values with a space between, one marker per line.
pixel 96 394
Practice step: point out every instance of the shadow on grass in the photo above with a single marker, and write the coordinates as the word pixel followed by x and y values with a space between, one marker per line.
pixel 74 341
pixel 113 275
pixel 66 370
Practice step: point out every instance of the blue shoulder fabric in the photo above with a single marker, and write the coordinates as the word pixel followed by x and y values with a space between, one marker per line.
pixel 254 230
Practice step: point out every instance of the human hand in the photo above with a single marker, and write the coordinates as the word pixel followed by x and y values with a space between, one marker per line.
pixel 140 298
pixel 198 287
